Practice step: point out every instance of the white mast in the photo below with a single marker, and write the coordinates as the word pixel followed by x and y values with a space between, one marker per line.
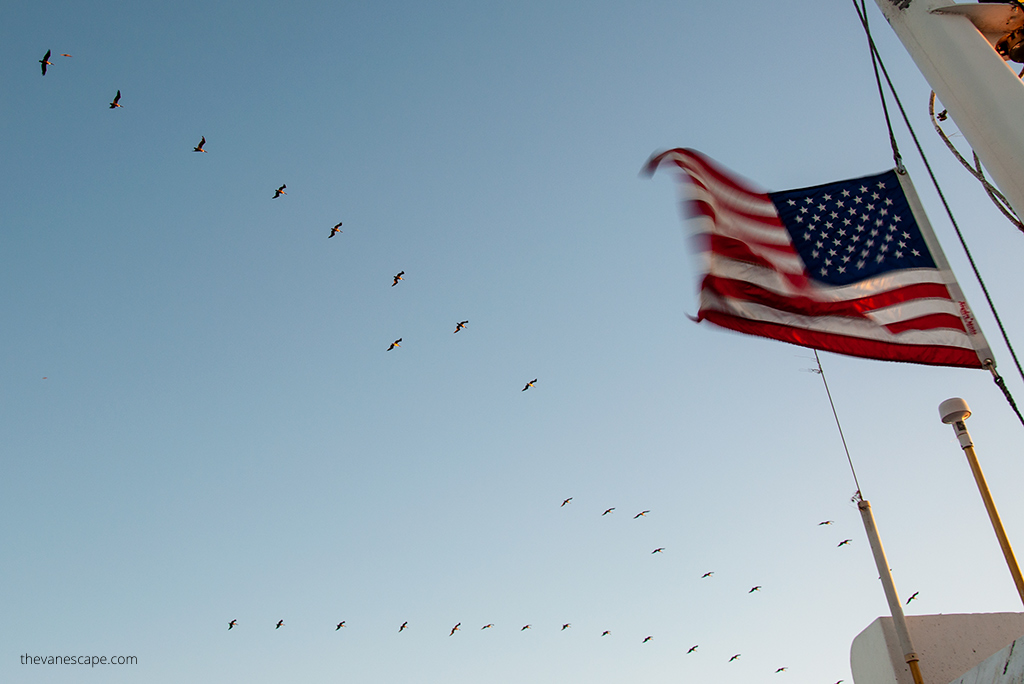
pixel 979 90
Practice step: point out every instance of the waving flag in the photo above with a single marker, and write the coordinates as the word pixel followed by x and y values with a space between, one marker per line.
pixel 850 267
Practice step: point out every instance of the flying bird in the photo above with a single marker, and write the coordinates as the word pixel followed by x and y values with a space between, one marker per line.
pixel 845 542
pixel 397 278
pixel 525 627
pixel 232 624
pixel 826 522
pixel 336 229
pixel 606 632
pixel 693 648
pixel 199 147
pixel 734 657
pixel 117 99
pixel 63 54
pixel 566 626
pixel 488 625
pixel 44 61
pixel 707 574
pixel 340 625
pixel 455 629
pixel 640 514
pixel 646 639
pixel 529 384
pixel 395 344
pixel 280 191
pixel 781 669
pixel 566 501
pixel 609 510
pixel 658 550
pixel 404 626
pixel 753 589
pixel 280 623
pixel 912 597
pixel 460 325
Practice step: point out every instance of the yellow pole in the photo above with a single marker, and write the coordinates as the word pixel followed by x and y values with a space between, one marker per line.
pixel 955 412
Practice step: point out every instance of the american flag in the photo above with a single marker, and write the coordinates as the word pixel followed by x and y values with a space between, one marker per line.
pixel 850 267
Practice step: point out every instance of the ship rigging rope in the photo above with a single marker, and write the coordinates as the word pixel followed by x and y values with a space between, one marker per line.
pixel 979 174
pixel 878 64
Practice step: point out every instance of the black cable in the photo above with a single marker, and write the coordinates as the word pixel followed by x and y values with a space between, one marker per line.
pixel 821 372
pixel 862 14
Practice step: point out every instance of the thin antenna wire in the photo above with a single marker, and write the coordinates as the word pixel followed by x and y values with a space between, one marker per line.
pixel 821 372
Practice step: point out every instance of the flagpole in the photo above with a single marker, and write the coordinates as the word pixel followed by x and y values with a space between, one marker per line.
pixel 885 575
pixel 954 412
pixel 899 621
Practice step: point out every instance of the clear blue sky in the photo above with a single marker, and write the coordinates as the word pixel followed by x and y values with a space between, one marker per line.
pixel 221 434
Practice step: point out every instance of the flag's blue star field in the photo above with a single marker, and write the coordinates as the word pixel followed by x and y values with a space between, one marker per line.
pixel 852 230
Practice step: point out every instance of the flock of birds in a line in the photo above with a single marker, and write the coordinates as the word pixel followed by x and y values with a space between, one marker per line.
pixel 460 325
pixel 642 514
pixel 116 102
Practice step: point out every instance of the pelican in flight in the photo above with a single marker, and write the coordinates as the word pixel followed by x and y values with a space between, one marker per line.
pixel 455 629
pixel 753 589
pixel 280 624
pixel 781 669
pixel 646 639
pixel 44 61
pixel 641 514
pixel 525 627
pixel 912 597
pixel 117 99
pixel 232 624
pixel 530 384
pixel 606 632
pixel 280 191
pixel 609 510
pixel 395 344
pixel 734 657
pixel 845 542
pixel 397 278
pixel 488 625
pixel 566 626
pixel 658 550
pixel 199 147
pixel 707 574
pixel 335 230
pixel 460 325
pixel 693 648
pixel 566 501
pixel 405 625
pixel 826 522
pixel 340 625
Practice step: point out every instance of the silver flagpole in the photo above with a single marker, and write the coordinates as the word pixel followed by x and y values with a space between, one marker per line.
pixel 895 607
pixel 884 574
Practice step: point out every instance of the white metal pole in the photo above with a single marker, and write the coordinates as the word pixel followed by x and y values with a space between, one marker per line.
pixel 895 608
pixel 982 94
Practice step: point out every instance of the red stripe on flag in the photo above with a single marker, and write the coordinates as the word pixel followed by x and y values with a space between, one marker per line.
pixel 929 322
pixel 843 344
pixel 731 248
pixel 852 308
